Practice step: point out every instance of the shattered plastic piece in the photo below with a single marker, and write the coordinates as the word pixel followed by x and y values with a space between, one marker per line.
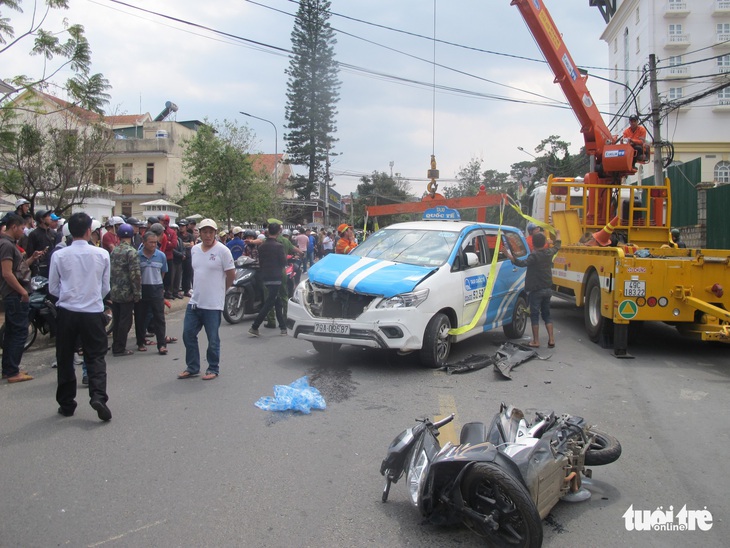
pixel 298 396
pixel 508 356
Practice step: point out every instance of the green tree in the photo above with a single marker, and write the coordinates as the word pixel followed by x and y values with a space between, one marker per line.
pixel 64 50
pixel 220 181
pixel 312 95
pixel 380 189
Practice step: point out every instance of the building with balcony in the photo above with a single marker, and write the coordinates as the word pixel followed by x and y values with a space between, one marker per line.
pixel 691 41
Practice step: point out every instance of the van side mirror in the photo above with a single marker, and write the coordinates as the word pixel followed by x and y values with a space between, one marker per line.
pixel 472 259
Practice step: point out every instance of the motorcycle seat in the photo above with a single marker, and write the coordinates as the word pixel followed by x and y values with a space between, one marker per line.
pixel 473 433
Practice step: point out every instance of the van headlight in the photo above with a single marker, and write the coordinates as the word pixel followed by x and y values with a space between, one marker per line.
pixel 298 296
pixel 416 474
pixel 405 300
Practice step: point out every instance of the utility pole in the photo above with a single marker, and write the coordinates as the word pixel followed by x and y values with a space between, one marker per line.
pixel 658 161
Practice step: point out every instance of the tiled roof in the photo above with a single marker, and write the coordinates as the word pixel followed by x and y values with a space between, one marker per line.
pixel 79 112
pixel 266 163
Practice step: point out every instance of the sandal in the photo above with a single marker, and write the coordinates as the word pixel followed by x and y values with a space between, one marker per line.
pixel 141 349
pixel 210 376
pixel 125 353
pixel 149 342
pixel 551 345
pixel 187 375
pixel 162 350
pixel 170 340
pixel 533 345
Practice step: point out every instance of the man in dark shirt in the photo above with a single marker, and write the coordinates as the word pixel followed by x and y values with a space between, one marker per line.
pixel 42 238
pixel 272 261
pixel 538 284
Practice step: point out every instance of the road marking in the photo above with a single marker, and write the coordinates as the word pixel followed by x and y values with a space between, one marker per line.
pixel 447 405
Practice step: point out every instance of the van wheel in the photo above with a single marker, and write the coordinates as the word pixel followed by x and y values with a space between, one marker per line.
pixel 516 328
pixel 595 323
pixel 436 342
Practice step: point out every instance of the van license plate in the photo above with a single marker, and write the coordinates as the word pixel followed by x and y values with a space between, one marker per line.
pixel 332 328
pixel 634 289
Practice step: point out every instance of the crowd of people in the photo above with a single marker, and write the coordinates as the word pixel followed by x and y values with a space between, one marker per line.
pixel 138 266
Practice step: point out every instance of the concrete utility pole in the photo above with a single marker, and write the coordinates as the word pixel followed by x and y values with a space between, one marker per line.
pixel 658 161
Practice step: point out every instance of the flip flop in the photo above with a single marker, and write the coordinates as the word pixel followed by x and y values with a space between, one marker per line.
pixel 149 342
pixel 170 340
pixel 533 345
pixel 210 376
pixel 187 375
pixel 162 351
pixel 141 349
pixel 551 345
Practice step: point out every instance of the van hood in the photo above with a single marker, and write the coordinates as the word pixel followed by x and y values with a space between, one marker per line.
pixel 368 276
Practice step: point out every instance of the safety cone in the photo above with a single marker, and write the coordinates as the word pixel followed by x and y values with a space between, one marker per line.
pixel 603 236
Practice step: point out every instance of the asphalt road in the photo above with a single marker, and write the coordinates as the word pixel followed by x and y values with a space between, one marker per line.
pixel 194 463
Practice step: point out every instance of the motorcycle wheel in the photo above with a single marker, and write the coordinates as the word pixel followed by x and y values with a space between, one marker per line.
pixel 32 333
pixel 436 342
pixel 605 449
pixel 326 347
pixel 232 312
pixel 491 491
pixel 516 328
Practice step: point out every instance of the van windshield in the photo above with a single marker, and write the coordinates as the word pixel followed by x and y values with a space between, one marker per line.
pixel 417 247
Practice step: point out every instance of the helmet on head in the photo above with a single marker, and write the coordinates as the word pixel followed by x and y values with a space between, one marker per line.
pixel 95 225
pixel 66 231
pixel 633 118
pixel 675 232
pixel 132 221
pixel 125 230
pixel 157 228
pixel 116 220
pixel 237 230
pixel 249 234
pixel 286 232
pixel 295 233
pixel 531 227
pixel 165 218
pixel 41 213
pixel 152 220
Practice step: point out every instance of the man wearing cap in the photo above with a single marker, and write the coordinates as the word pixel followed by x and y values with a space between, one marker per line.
pixel 136 238
pixel 636 135
pixel 126 288
pixel 214 272
pixel 347 242
pixel 236 244
pixel 42 238
pixel 532 229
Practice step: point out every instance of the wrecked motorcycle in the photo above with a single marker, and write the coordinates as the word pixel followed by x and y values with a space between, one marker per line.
pixel 499 481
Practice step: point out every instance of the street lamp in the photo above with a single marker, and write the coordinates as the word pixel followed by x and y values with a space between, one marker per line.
pixel 523 150
pixel 276 146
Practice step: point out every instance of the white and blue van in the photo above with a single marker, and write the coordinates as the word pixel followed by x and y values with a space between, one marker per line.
pixel 408 285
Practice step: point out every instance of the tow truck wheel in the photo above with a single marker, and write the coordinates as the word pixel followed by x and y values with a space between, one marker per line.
pixel 594 321
pixel 516 328
pixel 436 342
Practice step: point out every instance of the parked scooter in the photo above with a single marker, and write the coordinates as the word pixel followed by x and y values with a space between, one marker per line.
pixel 502 481
pixel 246 295
pixel 293 273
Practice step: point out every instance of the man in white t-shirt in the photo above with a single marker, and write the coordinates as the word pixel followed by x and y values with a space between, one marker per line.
pixel 214 272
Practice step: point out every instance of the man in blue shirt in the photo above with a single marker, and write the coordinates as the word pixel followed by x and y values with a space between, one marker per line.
pixel 79 277
pixel 153 265
pixel 236 244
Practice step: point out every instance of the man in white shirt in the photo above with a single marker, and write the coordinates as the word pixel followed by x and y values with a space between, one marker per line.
pixel 213 274
pixel 79 277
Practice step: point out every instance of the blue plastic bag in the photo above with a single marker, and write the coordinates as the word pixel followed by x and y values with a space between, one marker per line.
pixel 298 396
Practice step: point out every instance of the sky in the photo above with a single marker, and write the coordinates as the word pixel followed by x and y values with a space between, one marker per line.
pixel 495 101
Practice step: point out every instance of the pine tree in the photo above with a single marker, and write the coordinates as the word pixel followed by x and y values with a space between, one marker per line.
pixel 312 94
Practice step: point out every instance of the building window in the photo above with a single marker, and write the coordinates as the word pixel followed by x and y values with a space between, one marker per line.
pixel 104 176
pixel 723 32
pixel 151 173
pixel 127 209
pixel 723 64
pixel 675 33
pixel 615 45
pixel 615 72
pixel 127 172
pixel 638 45
pixel 723 97
pixel 722 172
pixel 637 16
pixel 675 93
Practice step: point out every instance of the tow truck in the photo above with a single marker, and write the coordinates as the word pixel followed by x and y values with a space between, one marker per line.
pixel 617 259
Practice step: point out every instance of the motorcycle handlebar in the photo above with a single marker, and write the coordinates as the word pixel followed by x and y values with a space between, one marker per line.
pixel 444 421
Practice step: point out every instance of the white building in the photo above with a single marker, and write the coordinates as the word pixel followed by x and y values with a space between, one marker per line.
pixel 691 41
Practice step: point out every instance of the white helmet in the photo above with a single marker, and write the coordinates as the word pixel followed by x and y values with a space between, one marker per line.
pixel 295 232
pixel 286 232
pixel 66 231
pixel 95 225
pixel 261 237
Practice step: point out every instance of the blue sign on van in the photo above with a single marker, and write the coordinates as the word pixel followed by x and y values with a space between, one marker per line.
pixel 441 213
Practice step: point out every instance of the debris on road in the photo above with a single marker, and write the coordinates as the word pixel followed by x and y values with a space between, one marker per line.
pixel 508 356
pixel 297 396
